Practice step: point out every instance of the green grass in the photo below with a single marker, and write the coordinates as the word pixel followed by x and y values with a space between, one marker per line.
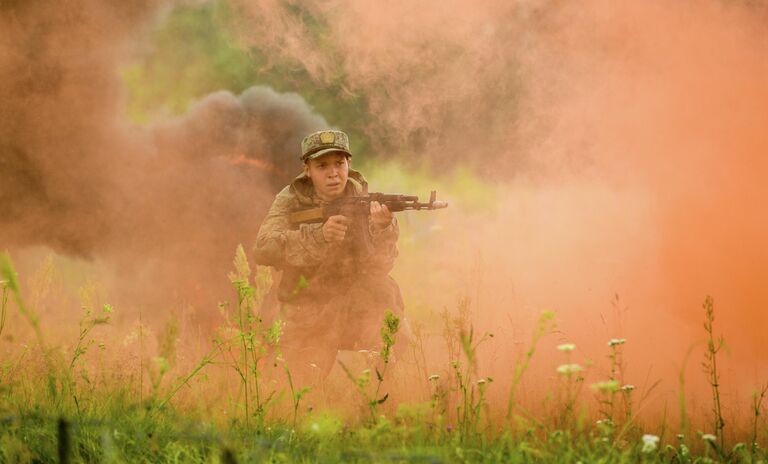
pixel 66 400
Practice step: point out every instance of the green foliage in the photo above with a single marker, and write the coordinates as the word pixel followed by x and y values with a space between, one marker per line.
pixel 168 78
pixel 388 331
pixel 380 363
pixel 256 342
pixel 113 424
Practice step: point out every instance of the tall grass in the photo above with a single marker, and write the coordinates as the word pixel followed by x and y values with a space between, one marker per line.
pixel 84 416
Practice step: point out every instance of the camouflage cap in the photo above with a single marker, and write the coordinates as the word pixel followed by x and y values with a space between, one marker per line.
pixel 322 142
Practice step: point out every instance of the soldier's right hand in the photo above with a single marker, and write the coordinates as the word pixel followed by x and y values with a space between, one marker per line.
pixel 335 228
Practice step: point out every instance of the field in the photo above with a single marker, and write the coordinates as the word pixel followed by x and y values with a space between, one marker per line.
pixel 595 291
pixel 86 400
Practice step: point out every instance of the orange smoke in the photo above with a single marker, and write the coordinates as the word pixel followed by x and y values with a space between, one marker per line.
pixel 624 142
pixel 620 144
pixel 666 101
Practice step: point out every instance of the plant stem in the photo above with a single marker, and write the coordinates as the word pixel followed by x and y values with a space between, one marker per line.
pixel 4 305
pixel 711 367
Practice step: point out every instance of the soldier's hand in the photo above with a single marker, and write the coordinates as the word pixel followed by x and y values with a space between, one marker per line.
pixel 381 216
pixel 335 228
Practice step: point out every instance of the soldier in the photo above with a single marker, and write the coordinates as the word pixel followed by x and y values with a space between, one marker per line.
pixel 333 294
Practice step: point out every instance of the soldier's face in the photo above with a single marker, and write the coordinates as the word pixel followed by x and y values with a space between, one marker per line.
pixel 329 174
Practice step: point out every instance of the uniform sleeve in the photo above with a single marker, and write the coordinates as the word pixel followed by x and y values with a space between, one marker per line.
pixel 385 247
pixel 278 245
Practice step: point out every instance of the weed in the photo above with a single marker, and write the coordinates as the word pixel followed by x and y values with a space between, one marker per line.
pixel 757 406
pixel 89 320
pixel 184 380
pixel 373 400
pixel 3 304
pixel 256 342
pixel 165 360
pixel 462 346
pixel 8 273
pixel 544 326
pixel 710 367
pixel 468 412
pixel 572 373
pixel 297 394
pixel 681 394
pixel 418 352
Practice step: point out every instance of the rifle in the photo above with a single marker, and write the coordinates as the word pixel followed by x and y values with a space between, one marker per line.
pixel 358 208
pixel 360 205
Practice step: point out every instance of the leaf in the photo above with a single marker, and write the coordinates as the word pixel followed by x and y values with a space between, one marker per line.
pixel 382 399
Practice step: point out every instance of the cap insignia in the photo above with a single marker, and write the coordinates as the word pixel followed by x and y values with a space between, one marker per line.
pixel 328 137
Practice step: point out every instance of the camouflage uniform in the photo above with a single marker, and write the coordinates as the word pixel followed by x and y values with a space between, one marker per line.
pixel 333 296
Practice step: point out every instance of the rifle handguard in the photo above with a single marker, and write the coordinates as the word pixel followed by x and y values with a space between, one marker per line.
pixel 360 204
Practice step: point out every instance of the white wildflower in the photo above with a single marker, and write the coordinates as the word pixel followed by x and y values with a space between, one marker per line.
pixel 481 382
pixel 604 423
pixel 709 437
pixel 568 369
pixel 617 341
pixel 650 443
pixel 566 347
pixel 433 377
pixel 606 386
pixel 628 387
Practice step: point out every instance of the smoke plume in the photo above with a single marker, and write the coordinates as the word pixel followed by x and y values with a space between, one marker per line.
pixel 164 206
pixel 623 140
pixel 620 145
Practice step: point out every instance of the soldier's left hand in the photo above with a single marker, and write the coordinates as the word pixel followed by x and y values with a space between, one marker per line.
pixel 381 216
